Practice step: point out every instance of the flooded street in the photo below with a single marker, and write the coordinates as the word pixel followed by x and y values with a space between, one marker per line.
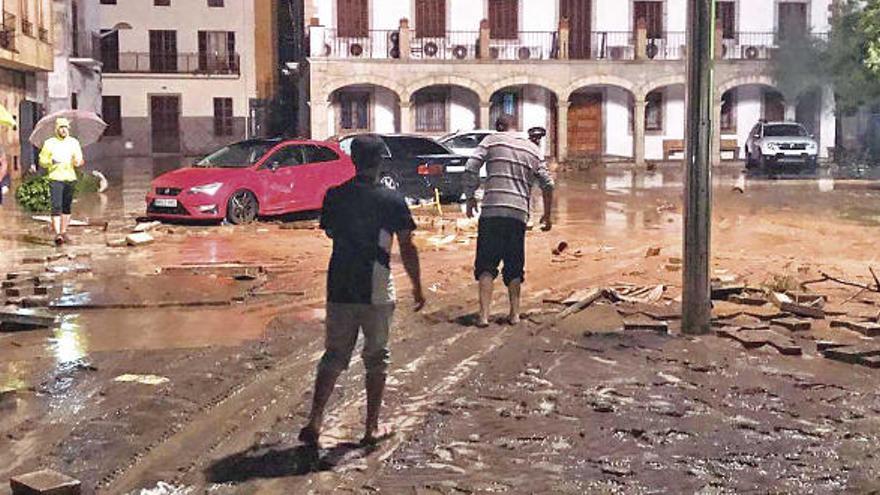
pixel 229 322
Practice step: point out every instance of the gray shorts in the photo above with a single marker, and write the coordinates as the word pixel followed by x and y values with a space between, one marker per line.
pixel 344 322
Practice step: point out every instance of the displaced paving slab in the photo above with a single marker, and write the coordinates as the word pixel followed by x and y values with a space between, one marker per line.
pixel 803 310
pixel 661 327
pixel 45 482
pixel 27 317
pixel 596 319
pixel 793 324
pixel 866 328
pixel 855 354
pixel 754 339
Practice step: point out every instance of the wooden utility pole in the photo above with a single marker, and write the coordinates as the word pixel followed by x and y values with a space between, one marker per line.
pixel 700 96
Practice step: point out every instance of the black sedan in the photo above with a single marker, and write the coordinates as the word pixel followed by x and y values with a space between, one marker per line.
pixel 417 165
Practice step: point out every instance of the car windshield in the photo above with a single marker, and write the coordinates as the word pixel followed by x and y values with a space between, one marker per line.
pixel 401 146
pixel 238 155
pixel 786 130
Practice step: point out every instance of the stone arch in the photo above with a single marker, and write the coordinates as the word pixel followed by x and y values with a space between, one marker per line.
pixel 444 80
pixel 522 80
pixel 672 80
pixel 337 84
pixel 757 80
pixel 601 80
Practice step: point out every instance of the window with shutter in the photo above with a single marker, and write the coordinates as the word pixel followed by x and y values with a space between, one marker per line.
pixel 654 111
pixel 222 116
pixel 504 19
pixel 725 16
pixel 353 18
pixel 430 18
pixel 652 15
pixel 353 111
pixel 431 111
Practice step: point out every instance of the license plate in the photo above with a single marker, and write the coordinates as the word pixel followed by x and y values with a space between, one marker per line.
pixel 165 203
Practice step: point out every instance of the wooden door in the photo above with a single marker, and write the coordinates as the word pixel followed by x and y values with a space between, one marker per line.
pixel 792 20
pixel 353 18
pixel 165 123
pixel 774 106
pixel 504 19
pixel 725 18
pixel 430 18
pixel 585 124
pixel 579 14
pixel 651 12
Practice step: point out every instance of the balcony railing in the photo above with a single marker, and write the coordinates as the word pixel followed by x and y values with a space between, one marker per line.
pixel 8 32
pixel 173 63
pixel 542 45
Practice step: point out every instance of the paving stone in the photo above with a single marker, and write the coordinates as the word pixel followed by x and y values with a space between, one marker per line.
pixel 654 326
pixel 824 345
pixel 13 292
pixel 7 284
pixel 850 354
pixel 18 275
pixel 753 339
pixel 140 239
pixel 747 300
pixel 866 328
pixel 42 290
pixel 44 482
pixel 870 361
pixel 722 292
pixel 802 310
pixel 35 302
pixel 793 324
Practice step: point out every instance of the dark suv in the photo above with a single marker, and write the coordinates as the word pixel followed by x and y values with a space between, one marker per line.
pixel 417 165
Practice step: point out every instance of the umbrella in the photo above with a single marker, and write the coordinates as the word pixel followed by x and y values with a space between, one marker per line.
pixel 6 118
pixel 86 126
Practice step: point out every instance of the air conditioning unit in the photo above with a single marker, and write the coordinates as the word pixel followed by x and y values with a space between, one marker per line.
pixel 751 52
pixel 393 44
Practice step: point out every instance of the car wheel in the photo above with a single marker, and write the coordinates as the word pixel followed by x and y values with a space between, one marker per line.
pixel 390 180
pixel 749 162
pixel 242 208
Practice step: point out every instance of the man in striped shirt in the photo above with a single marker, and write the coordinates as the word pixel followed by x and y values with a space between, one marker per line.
pixel 513 164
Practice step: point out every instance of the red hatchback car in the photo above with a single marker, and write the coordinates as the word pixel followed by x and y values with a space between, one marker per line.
pixel 256 177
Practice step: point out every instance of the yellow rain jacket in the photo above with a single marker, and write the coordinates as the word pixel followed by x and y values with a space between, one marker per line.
pixel 61 157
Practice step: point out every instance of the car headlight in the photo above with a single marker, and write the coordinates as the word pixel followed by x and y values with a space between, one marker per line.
pixel 209 189
pixel 811 146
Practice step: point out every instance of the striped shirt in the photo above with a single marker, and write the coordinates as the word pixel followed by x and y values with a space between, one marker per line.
pixel 513 164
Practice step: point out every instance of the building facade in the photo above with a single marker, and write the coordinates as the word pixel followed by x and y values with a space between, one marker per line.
pixel 75 81
pixel 181 76
pixel 605 77
pixel 26 57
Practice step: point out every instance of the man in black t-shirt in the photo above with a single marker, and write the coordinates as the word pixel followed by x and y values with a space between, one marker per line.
pixel 362 218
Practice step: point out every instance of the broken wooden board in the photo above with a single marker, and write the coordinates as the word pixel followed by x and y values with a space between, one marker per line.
pixel 868 329
pixel 28 317
pixel 803 310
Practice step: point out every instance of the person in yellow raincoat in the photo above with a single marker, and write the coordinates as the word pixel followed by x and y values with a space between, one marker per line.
pixel 61 156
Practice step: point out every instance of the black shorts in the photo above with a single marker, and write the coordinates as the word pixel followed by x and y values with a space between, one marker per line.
pixel 61 193
pixel 501 239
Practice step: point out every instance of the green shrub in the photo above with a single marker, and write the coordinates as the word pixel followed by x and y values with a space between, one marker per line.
pixel 34 196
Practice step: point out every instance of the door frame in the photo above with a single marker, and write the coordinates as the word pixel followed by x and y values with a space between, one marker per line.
pixel 179 97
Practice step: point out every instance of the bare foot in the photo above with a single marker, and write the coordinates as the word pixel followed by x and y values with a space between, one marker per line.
pixel 513 320
pixel 309 435
pixel 378 434
pixel 482 323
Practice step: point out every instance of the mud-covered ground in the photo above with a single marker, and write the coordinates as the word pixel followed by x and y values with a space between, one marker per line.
pixel 230 320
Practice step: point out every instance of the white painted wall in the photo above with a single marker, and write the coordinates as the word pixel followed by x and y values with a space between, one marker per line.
pixel 749 103
pixel 611 15
pixel 197 92
pixel 537 16
pixel 386 14
pixel 464 15
pixel 385 111
pixel 464 108
pixel 618 132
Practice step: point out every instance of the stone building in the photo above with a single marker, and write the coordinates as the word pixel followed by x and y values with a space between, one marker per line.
pixel 605 77
pixel 26 56
pixel 75 81
pixel 184 76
